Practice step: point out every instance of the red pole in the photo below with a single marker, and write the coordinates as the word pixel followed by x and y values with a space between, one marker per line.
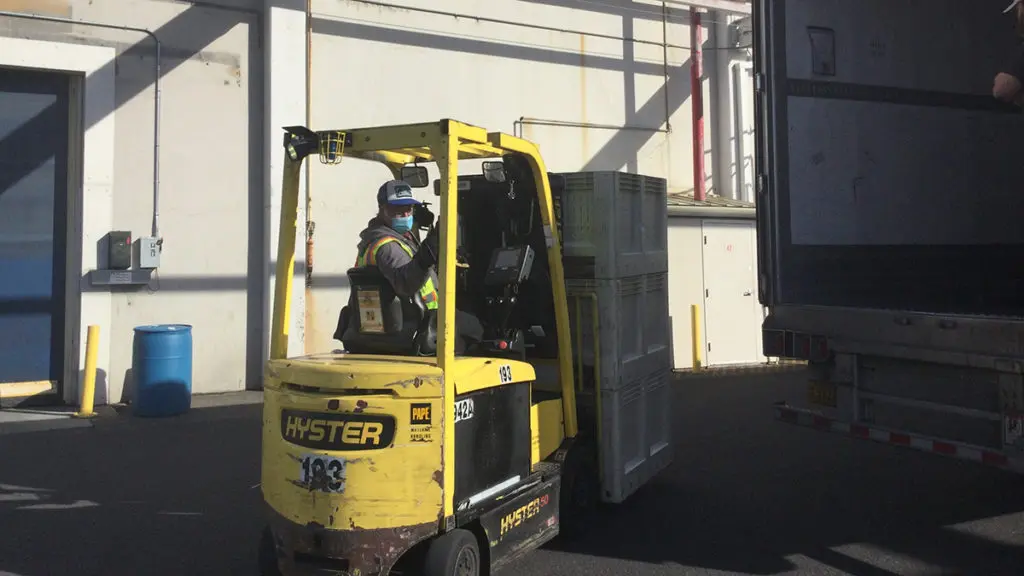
pixel 697 102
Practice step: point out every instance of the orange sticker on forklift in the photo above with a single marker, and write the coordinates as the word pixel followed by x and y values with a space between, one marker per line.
pixel 419 414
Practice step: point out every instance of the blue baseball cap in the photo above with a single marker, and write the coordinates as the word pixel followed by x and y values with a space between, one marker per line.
pixel 396 193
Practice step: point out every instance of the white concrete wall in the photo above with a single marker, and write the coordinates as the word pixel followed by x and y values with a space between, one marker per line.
pixel 284 104
pixel 211 182
pixel 375 65
pixel 370 65
pixel 685 284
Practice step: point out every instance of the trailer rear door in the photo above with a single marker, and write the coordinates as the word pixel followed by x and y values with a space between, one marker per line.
pixel 888 177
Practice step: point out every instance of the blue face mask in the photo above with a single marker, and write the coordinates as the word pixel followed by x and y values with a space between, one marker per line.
pixel 402 224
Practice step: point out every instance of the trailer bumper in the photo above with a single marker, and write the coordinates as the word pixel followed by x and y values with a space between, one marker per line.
pixel 1011 461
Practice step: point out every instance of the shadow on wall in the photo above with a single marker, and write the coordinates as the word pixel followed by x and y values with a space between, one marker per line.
pixel 199 284
pixel 622 148
pixel 225 283
pixel 100 396
pixel 184 36
pixel 128 388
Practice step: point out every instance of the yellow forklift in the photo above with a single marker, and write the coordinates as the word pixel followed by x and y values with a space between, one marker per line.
pixel 400 454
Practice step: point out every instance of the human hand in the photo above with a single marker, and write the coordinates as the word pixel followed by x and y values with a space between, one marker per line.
pixel 422 217
pixel 427 254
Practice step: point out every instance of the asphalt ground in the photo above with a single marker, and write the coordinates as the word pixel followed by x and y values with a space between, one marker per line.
pixel 746 495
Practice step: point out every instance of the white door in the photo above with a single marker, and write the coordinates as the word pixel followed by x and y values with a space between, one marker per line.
pixel 732 319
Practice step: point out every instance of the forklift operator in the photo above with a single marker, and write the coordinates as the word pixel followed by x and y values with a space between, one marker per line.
pixel 390 243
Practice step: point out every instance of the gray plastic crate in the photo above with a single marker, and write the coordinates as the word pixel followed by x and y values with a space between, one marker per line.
pixel 613 224
pixel 635 435
pixel 659 421
pixel 633 327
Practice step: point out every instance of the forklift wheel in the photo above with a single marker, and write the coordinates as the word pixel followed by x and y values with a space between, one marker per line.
pixel 453 554
pixel 268 554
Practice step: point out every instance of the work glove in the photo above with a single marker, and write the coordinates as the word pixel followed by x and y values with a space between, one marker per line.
pixel 422 217
pixel 426 256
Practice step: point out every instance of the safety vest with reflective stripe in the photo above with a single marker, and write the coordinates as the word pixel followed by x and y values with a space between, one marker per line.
pixel 369 258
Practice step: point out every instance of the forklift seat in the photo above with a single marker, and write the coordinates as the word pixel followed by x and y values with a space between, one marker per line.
pixel 404 326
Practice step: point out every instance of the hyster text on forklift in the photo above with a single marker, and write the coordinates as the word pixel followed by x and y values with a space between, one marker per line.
pixel 890 196
pixel 403 455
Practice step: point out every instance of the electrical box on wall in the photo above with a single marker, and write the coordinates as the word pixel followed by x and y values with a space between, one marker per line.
pixel 149 253
pixel 119 250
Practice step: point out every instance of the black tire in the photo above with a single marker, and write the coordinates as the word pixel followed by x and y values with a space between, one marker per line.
pixel 580 493
pixel 453 554
pixel 268 554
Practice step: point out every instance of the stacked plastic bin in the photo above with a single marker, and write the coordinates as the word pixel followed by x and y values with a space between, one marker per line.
pixel 614 230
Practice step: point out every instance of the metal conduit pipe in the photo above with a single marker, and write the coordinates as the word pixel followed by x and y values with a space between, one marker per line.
pixel 526 120
pixel 664 44
pixel 664 65
pixel 736 78
pixel 156 97
pixel 516 24
pixel 730 6
pixel 697 101
pixel 649 10
pixel 310 225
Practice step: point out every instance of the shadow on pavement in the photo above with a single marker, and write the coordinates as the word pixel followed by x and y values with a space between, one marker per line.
pixel 746 492
pixel 132 496
pixel 749 495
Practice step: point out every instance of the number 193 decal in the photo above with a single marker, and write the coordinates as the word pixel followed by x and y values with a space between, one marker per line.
pixel 505 373
pixel 322 473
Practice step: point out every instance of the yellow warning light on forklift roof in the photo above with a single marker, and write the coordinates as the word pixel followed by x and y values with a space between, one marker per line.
pixel 300 142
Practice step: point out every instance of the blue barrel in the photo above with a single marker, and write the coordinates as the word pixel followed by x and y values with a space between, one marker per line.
pixel 162 366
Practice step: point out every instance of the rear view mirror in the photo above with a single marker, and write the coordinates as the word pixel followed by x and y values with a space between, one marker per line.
pixel 415 176
pixel 494 171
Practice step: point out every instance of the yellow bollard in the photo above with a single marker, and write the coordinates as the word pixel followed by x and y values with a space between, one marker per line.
pixel 92 343
pixel 695 335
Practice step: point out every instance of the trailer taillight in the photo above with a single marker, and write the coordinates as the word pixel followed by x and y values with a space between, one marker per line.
pixel 801 346
pixel 773 342
pixel 819 349
pixel 795 345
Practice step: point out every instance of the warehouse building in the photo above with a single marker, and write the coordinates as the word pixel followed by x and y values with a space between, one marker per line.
pixel 152 129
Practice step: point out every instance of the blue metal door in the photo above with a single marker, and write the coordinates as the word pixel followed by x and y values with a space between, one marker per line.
pixel 34 135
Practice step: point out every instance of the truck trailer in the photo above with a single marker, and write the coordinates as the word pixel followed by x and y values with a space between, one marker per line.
pixel 889 199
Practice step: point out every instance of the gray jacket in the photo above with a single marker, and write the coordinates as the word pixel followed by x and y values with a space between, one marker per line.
pixel 394 263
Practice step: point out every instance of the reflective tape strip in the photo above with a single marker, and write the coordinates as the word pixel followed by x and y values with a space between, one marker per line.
pixel 428 292
pixel 370 256
pixel 961 451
